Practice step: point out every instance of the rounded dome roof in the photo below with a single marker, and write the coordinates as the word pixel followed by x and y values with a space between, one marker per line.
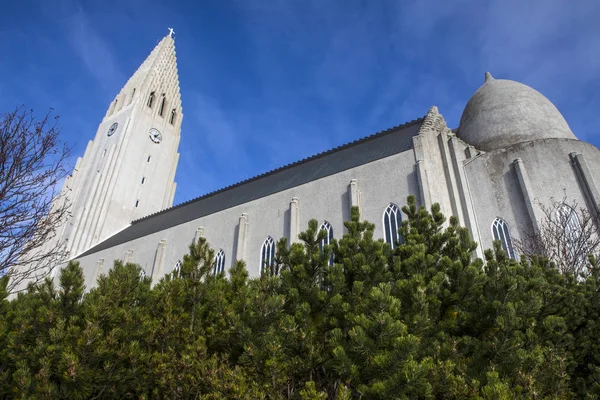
pixel 503 112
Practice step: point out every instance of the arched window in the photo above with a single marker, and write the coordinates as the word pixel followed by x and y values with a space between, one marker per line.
pixel 392 219
pixel 172 119
pixel 177 268
pixel 326 226
pixel 151 100
pixel 267 253
pixel 572 227
pixel 501 232
pixel 219 262
pixel 161 109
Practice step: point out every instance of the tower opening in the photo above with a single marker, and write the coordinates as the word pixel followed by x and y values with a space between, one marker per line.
pixel 151 100
pixel 132 95
pixel 162 106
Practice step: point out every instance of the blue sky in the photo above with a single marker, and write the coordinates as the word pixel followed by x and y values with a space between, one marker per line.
pixel 267 82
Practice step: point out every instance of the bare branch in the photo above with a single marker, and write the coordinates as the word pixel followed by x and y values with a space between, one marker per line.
pixel 567 236
pixel 32 210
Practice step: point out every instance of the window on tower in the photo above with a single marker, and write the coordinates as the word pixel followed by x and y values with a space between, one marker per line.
pixel 143 179
pixel 151 100
pixel 149 157
pixel 161 109
pixel 172 119
pixel 137 203
pixel 131 98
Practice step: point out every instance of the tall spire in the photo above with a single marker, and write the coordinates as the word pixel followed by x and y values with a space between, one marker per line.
pixel 158 72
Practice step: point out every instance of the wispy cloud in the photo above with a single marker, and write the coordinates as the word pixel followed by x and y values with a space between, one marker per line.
pixel 93 50
pixel 388 52
pixel 331 72
pixel 267 82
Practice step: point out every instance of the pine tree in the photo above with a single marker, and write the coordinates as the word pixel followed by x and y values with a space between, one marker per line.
pixel 426 319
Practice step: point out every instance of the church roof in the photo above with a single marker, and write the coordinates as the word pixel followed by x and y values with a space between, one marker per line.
pixel 359 152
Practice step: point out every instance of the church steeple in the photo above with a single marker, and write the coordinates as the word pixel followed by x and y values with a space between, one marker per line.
pixel 128 170
pixel 158 73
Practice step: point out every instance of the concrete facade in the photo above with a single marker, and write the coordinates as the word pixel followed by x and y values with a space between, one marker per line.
pixel 124 174
pixel 532 157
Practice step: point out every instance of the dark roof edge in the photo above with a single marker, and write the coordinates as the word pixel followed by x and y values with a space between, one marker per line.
pixel 287 166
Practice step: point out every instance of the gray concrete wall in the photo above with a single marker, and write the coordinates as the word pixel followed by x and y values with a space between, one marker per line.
pixel 390 179
pixel 496 191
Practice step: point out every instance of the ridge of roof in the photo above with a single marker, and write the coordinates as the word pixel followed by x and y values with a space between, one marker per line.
pixel 287 166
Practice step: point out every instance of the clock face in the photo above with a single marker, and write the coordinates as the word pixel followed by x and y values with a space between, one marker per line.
pixel 112 129
pixel 155 135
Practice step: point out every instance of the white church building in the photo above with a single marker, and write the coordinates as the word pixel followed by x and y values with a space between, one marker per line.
pixel 511 149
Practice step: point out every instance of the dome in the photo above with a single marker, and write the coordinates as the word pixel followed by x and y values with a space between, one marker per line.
pixel 503 112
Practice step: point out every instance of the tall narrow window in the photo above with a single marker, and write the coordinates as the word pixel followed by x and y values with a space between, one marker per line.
pixel 172 119
pixel 143 179
pixel 392 219
pixel 161 109
pixel 104 153
pixel 149 157
pixel 151 100
pixel 137 203
pixel 326 226
pixel 501 232
pixel 131 98
pixel 219 263
pixel 177 268
pixel 267 254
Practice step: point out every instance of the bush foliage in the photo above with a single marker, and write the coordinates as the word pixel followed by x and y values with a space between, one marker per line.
pixel 424 320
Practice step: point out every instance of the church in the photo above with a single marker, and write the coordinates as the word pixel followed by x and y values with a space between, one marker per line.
pixel 511 151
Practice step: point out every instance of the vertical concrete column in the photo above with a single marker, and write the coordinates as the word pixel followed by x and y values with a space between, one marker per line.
pixel 356 199
pixel 128 256
pixel 158 260
pixel 241 239
pixel 450 176
pixel 90 280
pixel 464 192
pixel 527 191
pixel 294 220
pixel 586 180
pixel 199 234
pixel 423 181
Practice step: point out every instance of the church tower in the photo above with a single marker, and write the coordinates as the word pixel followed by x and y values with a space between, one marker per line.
pixel 128 169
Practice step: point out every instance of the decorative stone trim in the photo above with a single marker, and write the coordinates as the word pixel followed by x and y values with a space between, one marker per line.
pixel 199 234
pixel 526 190
pixel 158 260
pixel 294 220
pixel 586 181
pixel 241 239
pixel 434 121
pixel 128 256
pixel 356 199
